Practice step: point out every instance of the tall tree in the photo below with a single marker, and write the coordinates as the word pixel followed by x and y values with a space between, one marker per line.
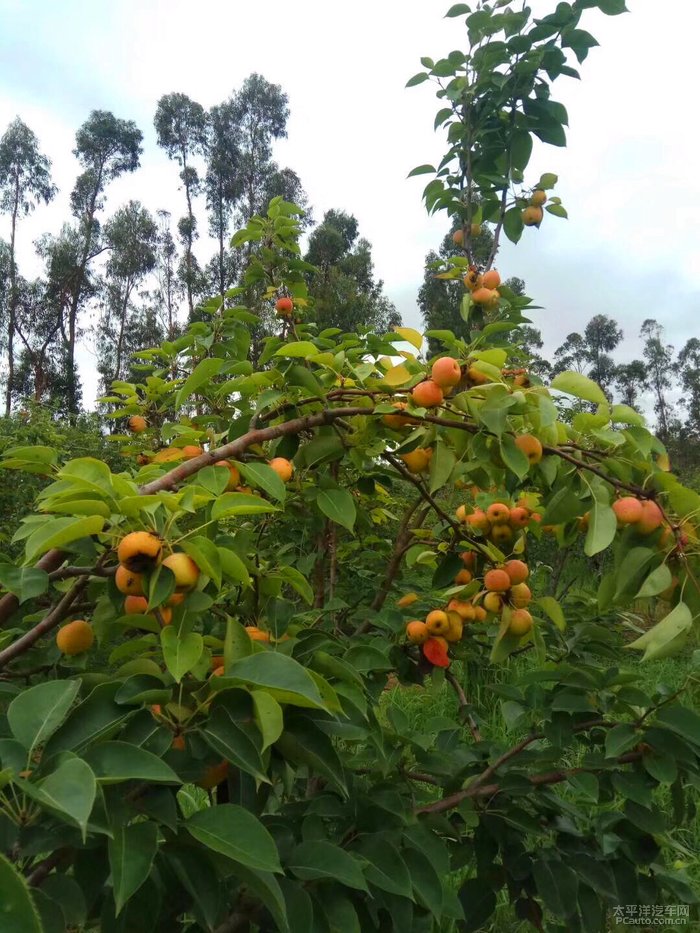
pixel 223 184
pixel 688 370
pixel 181 127
pixel 260 111
pixel 106 147
pixel 659 360
pixel 25 181
pixel 41 373
pixel 589 353
pixel 131 235
pixel 344 290
pixel 530 340
pixel 169 288
pixel 630 381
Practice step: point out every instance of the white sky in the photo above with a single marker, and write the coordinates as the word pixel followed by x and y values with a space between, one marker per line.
pixel 628 177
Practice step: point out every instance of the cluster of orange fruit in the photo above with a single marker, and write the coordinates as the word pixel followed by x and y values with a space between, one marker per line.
pixel 643 514
pixel 533 215
pixel 499 522
pixel 483 288
pixel 504 587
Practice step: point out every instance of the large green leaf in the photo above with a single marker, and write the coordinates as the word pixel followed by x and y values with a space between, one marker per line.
pixel 204 371
pixel 339 506
pixel 684 721
pixel 113 762
pixel 233 567
pixel 441 466
pixel 304 743
pixel 180 652
pixel 316 859
pixel 24 582
pixel 658 580
pixel 18 913
pixel 386 868
pixel 602 527
pixel 279 674
pixel 131 853
pixel 95 718
pixel 58 532
pixel 580 386
pixel 240 503
pixel 36 713
pixel 70 790
pixel 237 834
pixel 298 350
pixel 667 637
pixel 230 740
pixel 263 477
pixel 268 717
pixel 557 885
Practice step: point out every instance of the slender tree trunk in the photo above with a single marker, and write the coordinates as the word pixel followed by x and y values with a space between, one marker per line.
pixel 190 234
pixel 122 326
pixel 222 277
pixel 75 298
pixel 13 306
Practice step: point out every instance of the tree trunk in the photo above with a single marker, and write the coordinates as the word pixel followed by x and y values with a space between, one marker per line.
pixel 190 232
pixel 222 277
pixel 13 306
pixel 122 325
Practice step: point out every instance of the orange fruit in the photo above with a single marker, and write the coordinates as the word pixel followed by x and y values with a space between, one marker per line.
pixel 137 424
pixel 407 600
pixel 184 568
pixel 628 510
pixel 446 372
pixel 135 605
pixel 520 622
pixel 520 595
pixel 498 513
pixel 284 307
pixel 435 650
pixel 497 581
pixel 437 622
pixel 517 570
pixel 417 632
pixel 651 519
pixel 491 279
pixel 128 582
pixel 532 216
pixel 139 551
pixel 464 577
pixel 427 394
pixel 75 637
pixel 213 775
pixel 282 467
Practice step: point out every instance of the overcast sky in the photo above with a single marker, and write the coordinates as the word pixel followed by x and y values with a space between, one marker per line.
pixel 628 177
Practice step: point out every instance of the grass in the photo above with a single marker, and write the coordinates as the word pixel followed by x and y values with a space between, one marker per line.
pixel 421 705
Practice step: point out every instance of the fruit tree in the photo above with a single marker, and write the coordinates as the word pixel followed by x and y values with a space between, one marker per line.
pixel 198 655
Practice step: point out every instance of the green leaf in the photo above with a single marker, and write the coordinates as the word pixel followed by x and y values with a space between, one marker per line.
pixel 205 554
pixel 417 79
pixel 425 880
pixel 620 739
pixel 304 743
pixel 685 722
pixel 459 9
pixel 339 506
pixel 632 570
pixel 300 349
pixel 204 371
pixel 24 582
pixel 557 886
pixel 317 859
pixel 35 714
pixel 667 637
pixel 57 532
pixel 263 477
pixel 233 567
pixel 478 902
pixel 513 224
pixel 422 170
pixel 18 913
pixel 131 853
pixel 562 507
pixel 277 673
pixel 268 717
pixel 161 585
pixel 240 503
pixel 298 582
pixel 441 466
pixel 553 609
pixel 180 652
pixel 97 716
pixel 513 457
pixel 657 581
pixel 612 7
pixel 231 741
pixel 580 386
pixel 113 762
pixel 602 528
pixel 386 868
pixel 236 833
pixel 623 414
pixel 70 790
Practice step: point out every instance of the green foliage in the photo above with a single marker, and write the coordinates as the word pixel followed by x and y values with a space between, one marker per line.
pixel 257 672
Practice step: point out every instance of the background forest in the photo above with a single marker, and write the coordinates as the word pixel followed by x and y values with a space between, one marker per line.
pixel 116 279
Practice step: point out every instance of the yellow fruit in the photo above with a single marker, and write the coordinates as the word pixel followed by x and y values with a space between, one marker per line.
pixel 517 570
pixel 530 446
pixel 464 610
pixel 418 460
pixel 532 216
pixel 128 582
pixel 520 622
pixel 455 629
pixel 497 581
pixel 75 637
pixel 283 468
pixel 539 197
pixel 493 602
pixel 437 622
pixel 520 595
pixel 463 577
pixel 491 279
pixel 498 513
pixel 139 551
pixel 137 424
pixel 407 600
pixel 417 632
pixel 185 570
